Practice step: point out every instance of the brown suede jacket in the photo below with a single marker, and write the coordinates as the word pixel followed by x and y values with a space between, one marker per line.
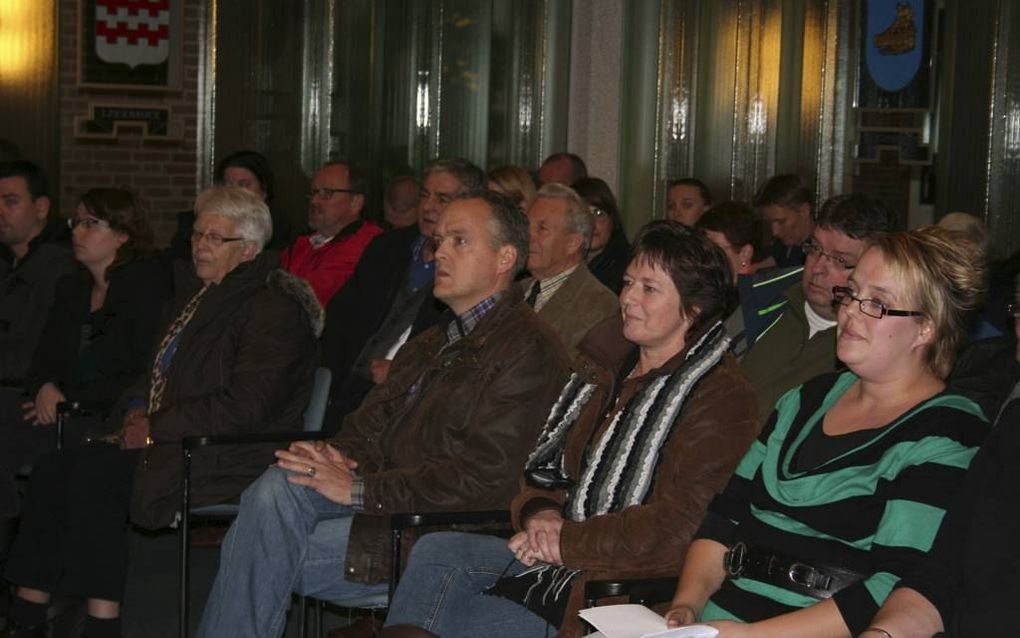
pixel 649 540
pixel 580 304
pixel 460 442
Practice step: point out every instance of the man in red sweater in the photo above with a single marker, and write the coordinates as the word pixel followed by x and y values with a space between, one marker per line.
pixel 326 258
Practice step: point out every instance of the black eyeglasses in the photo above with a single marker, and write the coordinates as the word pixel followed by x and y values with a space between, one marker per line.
pixel 214 240
pixel 871 307
pixel 88 223
pixel 598 212
pixel 328 193
pixel 812 248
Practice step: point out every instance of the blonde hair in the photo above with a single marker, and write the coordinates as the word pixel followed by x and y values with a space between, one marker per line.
pixel 969 227
pixel 246 210
pixel 945 277
pixel 514 182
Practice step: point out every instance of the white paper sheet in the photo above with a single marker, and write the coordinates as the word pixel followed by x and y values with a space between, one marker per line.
pixel 637 621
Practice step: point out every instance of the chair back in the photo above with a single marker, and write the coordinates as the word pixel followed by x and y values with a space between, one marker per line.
pixel 315 413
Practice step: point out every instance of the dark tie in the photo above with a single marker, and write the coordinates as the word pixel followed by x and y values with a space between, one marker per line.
pixel 536 288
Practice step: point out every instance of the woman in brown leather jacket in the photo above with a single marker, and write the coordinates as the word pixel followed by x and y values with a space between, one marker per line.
pixel 649 427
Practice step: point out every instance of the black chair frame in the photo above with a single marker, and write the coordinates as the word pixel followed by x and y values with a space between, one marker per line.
pixel 188 445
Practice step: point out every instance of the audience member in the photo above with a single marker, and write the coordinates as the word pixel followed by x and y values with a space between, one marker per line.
pixel 561 289
pixel 801 342
pixel 562 168
pixel 237 356
pixel 97 336
pixel 687 200
pixel 609 252
pixel 400 206
pixel 648 428
pixel 844 490
pixel 389 298
pixel 733 227
pixel 970 228
pixel 448 430
pixel 249 170
pixel 784 203
pixel 967 586
pixel 515 183
pixel 32 261
pixel 326 258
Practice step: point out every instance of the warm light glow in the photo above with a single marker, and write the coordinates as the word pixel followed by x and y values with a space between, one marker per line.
pixel 26 38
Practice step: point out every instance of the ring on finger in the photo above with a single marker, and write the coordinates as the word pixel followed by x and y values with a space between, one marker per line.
pixel 310 471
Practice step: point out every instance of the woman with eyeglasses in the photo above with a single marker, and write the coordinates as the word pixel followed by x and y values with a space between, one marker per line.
pixel 845 488
pixel 967 585
pixel 235 355
pixel 98 333
pixel 609 253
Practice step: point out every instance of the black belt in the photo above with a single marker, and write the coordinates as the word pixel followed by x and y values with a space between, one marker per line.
pixel 759 563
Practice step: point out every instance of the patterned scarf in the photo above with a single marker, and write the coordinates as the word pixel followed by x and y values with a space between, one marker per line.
pixel 620 471
pixel 157 380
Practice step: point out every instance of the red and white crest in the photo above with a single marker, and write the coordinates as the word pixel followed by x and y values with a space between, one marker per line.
pixel 133 32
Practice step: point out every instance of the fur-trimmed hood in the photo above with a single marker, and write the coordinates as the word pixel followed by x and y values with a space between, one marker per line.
pixel 300 291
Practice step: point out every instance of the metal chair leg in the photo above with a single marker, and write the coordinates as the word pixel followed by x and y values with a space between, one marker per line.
pixel 185 550
pixel 317 615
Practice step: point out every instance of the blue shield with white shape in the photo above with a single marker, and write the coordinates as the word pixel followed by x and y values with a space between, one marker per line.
pixel 894 42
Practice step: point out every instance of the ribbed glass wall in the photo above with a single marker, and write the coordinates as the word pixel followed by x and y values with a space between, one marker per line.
pixel 389 84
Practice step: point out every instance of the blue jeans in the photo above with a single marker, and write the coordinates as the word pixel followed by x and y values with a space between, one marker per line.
pixel 287 538
pixel 441 590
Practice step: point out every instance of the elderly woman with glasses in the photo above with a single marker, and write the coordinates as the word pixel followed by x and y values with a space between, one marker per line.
pixel 236 355
pixel 845 488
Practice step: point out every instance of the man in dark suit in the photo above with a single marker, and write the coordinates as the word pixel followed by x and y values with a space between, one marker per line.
pixel 389 297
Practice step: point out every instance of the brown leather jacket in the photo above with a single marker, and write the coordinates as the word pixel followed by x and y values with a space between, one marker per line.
pixel 461 444
pixel 649 540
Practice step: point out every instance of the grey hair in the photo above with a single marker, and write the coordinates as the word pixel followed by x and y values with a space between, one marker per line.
pixel 471 177
pixel 579 217
pixel 248 212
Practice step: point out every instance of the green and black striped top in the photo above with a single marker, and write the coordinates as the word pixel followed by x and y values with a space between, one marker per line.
pixel 873 507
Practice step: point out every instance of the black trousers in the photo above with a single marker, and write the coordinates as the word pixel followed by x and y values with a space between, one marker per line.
pixel 22 443
pixel 73 534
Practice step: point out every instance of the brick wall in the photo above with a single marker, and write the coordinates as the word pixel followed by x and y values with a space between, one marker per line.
pixel 163 174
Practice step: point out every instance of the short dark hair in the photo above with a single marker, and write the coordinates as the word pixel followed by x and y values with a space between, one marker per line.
pixel 125 214
pixel 35 178
pixel 509 224
pixel 357 177
pixel 471 177
pixel 577 168
pixel 706 195
pixel 736 221
pixel 253 161
pixel 784 190
pixel 857 216
pixel 699 269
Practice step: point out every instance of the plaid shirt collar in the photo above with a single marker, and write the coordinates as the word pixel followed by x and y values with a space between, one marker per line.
pixel 463 324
